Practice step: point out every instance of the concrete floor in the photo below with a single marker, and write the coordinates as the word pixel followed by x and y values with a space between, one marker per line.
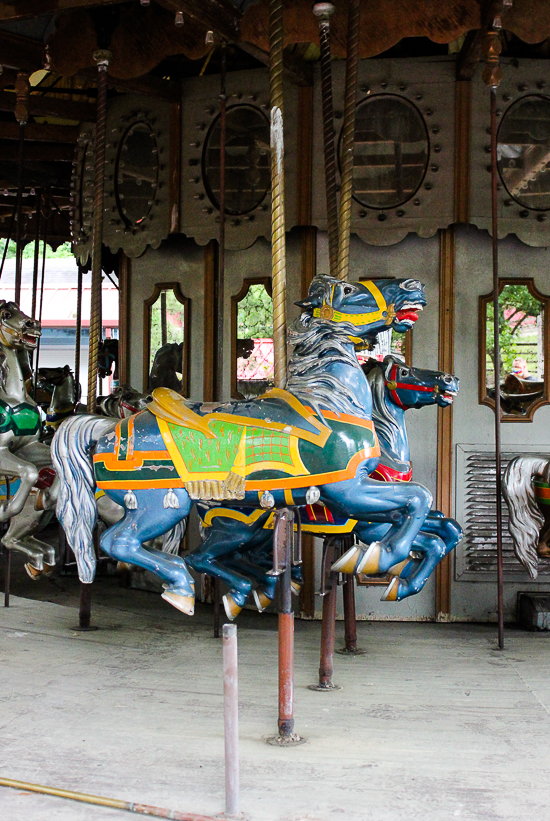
pixel 433 723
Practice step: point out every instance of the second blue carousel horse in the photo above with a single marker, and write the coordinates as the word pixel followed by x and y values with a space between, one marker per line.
pixel 396 388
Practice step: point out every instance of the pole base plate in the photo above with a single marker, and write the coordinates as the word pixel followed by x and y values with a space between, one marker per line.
pixel 324 688
pixel 344 651
pixel 292 740
pixel 88 629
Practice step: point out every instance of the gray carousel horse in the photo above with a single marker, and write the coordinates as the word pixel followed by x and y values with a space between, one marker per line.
pixel 22 455
pixel 526 488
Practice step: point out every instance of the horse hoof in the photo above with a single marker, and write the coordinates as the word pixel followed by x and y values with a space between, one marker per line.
pixel 33 572
pixel 185 603
pixel 232 608
pixel 295 588
pixel 48 569
pixel 371 560
pixel 398 568
pixel 261 600
pixel 347 562
pixel 390 593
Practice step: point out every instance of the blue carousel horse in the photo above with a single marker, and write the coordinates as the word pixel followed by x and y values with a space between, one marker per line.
pixel 395 388
pixel 313 441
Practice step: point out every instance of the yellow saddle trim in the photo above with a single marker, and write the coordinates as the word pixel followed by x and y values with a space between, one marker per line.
pixel 384 310
pixel 169 406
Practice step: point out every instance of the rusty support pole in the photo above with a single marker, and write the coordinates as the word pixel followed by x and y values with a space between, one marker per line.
pixel 329 592
pixel 492 75
pixel 216 596
pixel 231 719
pixel 22 88
pixel 348 140
pixel 350 623
pixel 102 58
pixel 323 12
pixel 45 215
pixel 85 606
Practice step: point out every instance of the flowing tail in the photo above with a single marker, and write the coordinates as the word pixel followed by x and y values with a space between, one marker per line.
pixel 76 505
pixel 526 519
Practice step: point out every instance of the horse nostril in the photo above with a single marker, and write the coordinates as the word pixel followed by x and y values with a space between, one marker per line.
pixel 448 380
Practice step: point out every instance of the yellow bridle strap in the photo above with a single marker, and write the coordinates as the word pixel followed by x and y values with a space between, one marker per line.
pixel 327 312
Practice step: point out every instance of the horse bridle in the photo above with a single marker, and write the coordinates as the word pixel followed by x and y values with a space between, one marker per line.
pixel 393 386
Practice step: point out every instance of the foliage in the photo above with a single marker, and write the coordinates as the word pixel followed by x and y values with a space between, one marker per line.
pixel 28 251
pixel 520 305
pixel 255 314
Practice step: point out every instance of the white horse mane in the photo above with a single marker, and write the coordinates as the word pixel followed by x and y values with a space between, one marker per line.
pixel 526 519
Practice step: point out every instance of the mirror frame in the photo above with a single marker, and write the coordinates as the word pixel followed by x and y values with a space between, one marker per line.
pixel 245 287
pixel 147 306
pixel 529 282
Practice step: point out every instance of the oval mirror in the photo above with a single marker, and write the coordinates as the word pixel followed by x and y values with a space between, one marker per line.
pixel 136 173
pixel 391 151
pixel 523 152
pixel 247 160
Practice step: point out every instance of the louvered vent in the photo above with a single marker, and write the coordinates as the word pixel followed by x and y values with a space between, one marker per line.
pixel 479 547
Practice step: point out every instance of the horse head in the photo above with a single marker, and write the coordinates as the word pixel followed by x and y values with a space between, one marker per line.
pixel 410 387
pixel 107 356
pixel 17 330
pixel 368 307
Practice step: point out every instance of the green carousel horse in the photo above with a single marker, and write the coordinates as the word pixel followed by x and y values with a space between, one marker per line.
pixel 313 441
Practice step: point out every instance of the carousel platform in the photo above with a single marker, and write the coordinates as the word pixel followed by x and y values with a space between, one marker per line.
pixel 432 723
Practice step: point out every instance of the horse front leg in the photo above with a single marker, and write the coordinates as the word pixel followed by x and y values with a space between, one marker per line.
pixel 411 577
pixel 403 505
pixel 11 464
pixel 20 537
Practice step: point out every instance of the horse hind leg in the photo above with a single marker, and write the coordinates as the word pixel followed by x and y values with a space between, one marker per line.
pixel 20 537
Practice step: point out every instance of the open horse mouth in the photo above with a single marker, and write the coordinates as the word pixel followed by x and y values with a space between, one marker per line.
pixel 30 339
pixel 408 314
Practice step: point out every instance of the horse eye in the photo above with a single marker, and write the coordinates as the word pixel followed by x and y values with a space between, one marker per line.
pixel 6 315
pixel 404 371
pixel 348 290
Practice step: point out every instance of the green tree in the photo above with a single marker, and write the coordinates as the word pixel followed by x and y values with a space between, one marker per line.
pixel 255 314
pixel 28 251
pixel 515 305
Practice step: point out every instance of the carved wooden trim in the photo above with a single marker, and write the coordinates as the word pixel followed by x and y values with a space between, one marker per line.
pixel 210 342
pixel 124 280
pixel 147 304
pixel 305 154
pixel 463 100
pixel 245 287
pixel 174 182
pixel 444 494
pixel 482 346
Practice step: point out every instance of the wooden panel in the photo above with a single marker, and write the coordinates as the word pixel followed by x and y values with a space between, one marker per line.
pixel 305 154
pixel 209 373
pixel 124 280
pixel 445 415
pixel 463 97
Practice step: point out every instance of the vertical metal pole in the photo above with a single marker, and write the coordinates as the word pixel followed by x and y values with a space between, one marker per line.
pixel 163 328
pixel 7 579
pixel 348 139
pixel 41 303
pixel 37 205
pixel 326 665
pixel 102 58
pixel 323 12
pixel 8 238
pixel 220 279
pixel 492 76
pixel 216 597
pixel 285 722
pixel 350 624
pixel 19 225
pixel 85 607
pixel 231 718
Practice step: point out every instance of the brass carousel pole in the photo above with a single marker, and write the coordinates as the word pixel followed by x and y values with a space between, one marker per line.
pixel 102 58
pixel 492 75
pixel 220 286
pixel 348 140
pixel 323 12
pixel 286 735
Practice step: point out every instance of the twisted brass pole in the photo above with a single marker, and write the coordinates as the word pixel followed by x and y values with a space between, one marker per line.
pixel 102 58
pixel 323 12
pixel 278 254
pixel 348 139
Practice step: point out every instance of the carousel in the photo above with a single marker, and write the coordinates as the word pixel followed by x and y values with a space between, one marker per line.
pixel 316 217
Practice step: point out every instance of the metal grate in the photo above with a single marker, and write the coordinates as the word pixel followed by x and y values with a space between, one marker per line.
pixel 479 519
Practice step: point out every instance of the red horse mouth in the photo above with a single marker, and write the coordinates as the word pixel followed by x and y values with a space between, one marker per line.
pixel 30 339
pixel 408 314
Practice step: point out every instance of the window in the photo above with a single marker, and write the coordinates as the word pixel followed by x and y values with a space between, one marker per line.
pixel 252 365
